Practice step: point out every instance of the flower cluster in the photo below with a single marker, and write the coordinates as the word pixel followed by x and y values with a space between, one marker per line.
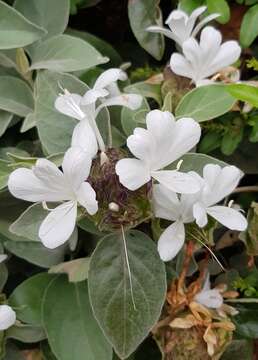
pixel 198 60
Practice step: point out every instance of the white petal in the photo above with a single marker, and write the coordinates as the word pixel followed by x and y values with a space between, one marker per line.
pixel 69 104
pixel 23 184
pixel 84 137
pixel 176 181
pixel 228 54
pixel 203 22
pixel 219 182
pixel 131 101
pixel 50 175
pixel 7 317
pixel 180 66
pixel 210 298
pixel 228 217
pixel 177 21
pixel 171 241
pixel 142 144
pixel 200 214
pixel 165 203
pixel 76 166
pixel 162 30
pixel 86 196
pixel 3 257
pixel 109 76
pixel 92 95
pixel 132 173
pixel 59 224
pixel 73 239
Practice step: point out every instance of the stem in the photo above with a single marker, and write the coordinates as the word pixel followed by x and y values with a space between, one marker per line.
pixel 98 134
pixel 246 189
pixel 187 260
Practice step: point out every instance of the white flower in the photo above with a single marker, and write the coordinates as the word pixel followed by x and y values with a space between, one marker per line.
pixel 84 109
pixel 211 298
pixel 167 205
pixel 7 317
pixel 181 26
pixel 216 184
pixel 164 141
pixel 46 183
pixel 201 60
pixel 219 183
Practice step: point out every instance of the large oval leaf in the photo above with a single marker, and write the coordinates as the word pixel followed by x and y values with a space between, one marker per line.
pixel 15 96
pixel 72 331
pixel 27 298
pixel 244 92
pixel 142 14
pixel 51 15
pixel 127 304
pixel 221 7
pixel 205 103
pixel 65 53
pixel 249 28
pixel 15 30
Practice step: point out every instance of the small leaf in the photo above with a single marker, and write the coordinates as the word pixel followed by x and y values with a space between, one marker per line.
pixel 131 119
pixel 246 321
pixel 249 29
pixel 209 142
pixel 205 103
pixel 142 14
pixel 28 223
pixel 146 89
pixel 65 53
pixel 26 333
pixel 244 92
pixel 196 162
pixel 72 330
pixel 36 253
pixel 15 96
pixel 51 15
pixel 221 7
pixel 239 350
pixel 127 309
pixel 15 30
pixel 77 270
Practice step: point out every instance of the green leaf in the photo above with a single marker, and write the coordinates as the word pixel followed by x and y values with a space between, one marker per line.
pixel 5 171
pixel 55 129
pixel 196 162
pixel 230 141
pixel 126 310
pixel 239 350
pixel 28 223
pixel 77 270
pixel 102 46
pixel 15 30
pixel 51 15
pixel 15 96
pixel 26 333
pixel 65 53
pixel 36 253
pixel 142 14
pixel 190 5
pixel 46 351
pixel 209 142
pixel 3 276
pixel 244 92
pixel 5 120
pixel 221 7
pixel 146 89
pixel 130 119
pixel 249 29
pixel 27 298
pixel 72 330
pixel 205 103
pixel 246 321
pixel 28 123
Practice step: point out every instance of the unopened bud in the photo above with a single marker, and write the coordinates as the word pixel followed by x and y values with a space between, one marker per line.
pixel 113 207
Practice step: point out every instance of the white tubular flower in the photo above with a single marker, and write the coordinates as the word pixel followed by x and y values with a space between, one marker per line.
pixel 46 183
pixel 84 109
pixel 7 317
pixel 218 183
pixel 201 60
pixel 182 26
pixel 164 141
pixel 168 206
pixel 211 298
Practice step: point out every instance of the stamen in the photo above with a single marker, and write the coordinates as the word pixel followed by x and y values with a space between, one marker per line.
pixel 113 207
pixel 231 202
